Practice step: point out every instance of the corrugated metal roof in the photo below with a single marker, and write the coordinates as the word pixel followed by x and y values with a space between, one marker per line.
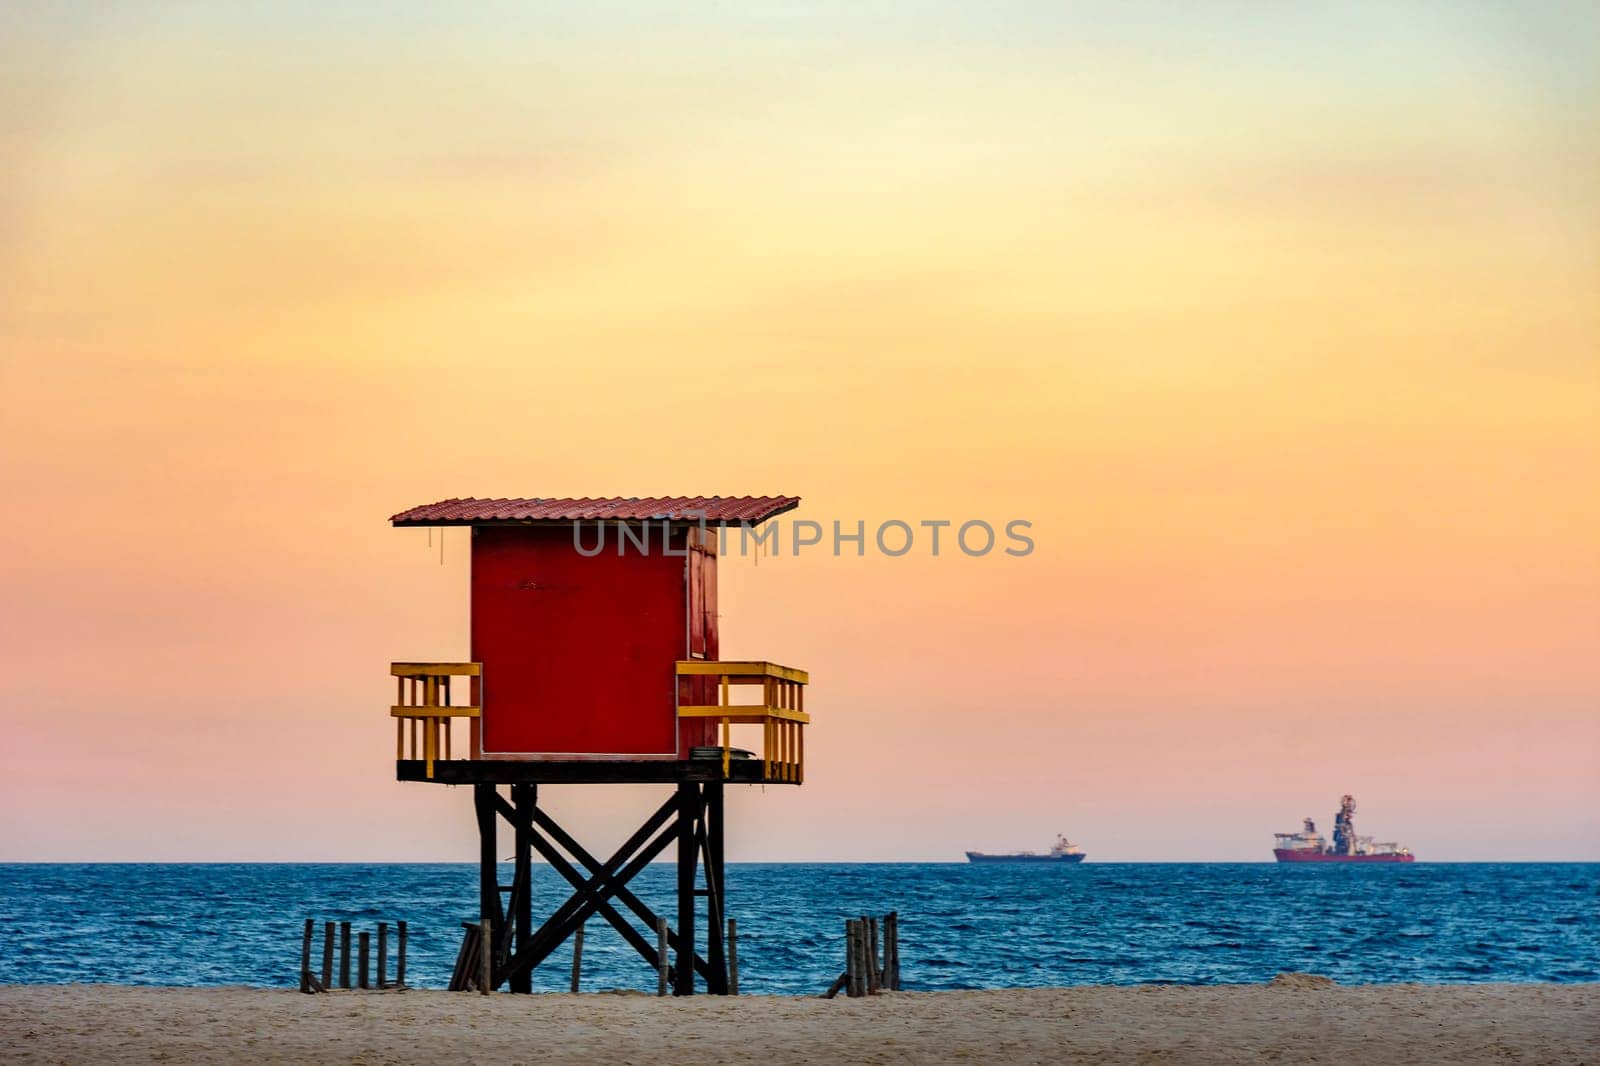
pixel 470 511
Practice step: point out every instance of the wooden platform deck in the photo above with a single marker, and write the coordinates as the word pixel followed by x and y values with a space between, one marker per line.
pixel 653 771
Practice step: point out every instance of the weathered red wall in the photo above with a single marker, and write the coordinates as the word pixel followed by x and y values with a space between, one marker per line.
pixel 578 652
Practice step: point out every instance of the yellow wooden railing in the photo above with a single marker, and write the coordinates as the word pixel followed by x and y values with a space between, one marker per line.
pixel 423 708
pixel 781 712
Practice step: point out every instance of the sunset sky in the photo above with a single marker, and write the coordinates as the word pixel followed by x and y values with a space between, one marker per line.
pixel 1281 327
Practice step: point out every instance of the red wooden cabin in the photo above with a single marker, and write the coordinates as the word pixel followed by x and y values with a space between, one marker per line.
pixel 594 639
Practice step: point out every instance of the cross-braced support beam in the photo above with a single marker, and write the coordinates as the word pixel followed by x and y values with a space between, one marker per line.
pixel 692 819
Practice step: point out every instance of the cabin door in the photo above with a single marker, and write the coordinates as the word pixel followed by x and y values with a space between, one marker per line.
pixel 577 651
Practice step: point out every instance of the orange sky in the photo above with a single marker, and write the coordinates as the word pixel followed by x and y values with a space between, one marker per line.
pixel 1283 330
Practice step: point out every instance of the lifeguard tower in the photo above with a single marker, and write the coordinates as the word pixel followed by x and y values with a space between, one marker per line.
pixel 595 661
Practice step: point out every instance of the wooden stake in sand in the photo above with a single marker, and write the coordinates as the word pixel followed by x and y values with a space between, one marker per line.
pixel 383 954
pixel 864 933
pixel 327 955
pixel 661 956
pixel 344 954
pixel 366 944
pixel 874 974
pixel 855 985
pixel 400 962
pixel 891 951
pixel 305 958
pixel 486 957
pixel 733 957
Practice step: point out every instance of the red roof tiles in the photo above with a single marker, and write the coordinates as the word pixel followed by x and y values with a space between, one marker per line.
pixel 713 509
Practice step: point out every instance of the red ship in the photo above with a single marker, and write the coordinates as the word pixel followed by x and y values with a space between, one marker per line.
pixel 1309 846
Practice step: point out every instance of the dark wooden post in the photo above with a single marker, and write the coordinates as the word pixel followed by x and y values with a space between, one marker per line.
pixel 577 958
pixel 520 927
pixel 327 955
pixel 886 961
pixel 716 887
pixel 874 974
pixel 400 960
pixel 689 809
pixel 661 956
pixel 868 985
pixel 366 944
pixel 305 957
pixel 344 954
pixel 383 954
pixel 483 797
pixel 852 966
pixel 733 957
pixel 891 948
pixel 861 956
pixel 886 981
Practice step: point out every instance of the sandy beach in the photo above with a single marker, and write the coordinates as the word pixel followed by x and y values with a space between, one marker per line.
pixel 1295 1020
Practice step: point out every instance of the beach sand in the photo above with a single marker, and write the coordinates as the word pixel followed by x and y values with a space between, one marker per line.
pixel 1293 1020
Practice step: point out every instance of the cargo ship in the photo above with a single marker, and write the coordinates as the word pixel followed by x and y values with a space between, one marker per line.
pixel 1063 851
pixel 1308 845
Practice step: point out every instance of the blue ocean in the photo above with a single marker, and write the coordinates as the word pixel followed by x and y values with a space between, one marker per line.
pixel 961 926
